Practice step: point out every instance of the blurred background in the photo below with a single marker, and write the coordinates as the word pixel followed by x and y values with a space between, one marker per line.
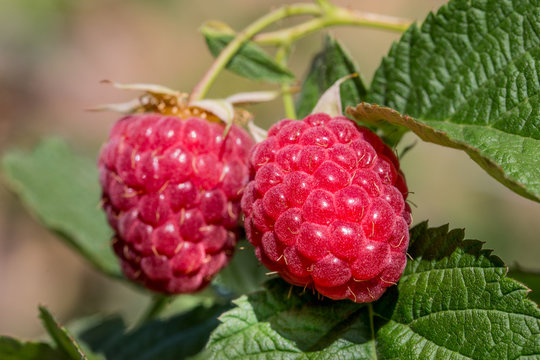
pixel 53 53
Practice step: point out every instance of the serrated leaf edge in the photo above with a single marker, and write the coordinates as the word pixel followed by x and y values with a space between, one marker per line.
pixel 374 114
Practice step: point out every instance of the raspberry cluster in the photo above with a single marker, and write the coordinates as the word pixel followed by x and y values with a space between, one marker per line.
pixel 326 207
pixel 171 191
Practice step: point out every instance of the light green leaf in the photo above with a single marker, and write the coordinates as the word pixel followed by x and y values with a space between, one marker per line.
pixel 452 302
pixel 13 349
pixel 62 190
pixel 472 72
pixel 62 338
pixel 251 61
pixel 331 64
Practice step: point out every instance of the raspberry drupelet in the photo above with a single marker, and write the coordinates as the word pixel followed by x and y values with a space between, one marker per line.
pixel 171 191
pixel 326 207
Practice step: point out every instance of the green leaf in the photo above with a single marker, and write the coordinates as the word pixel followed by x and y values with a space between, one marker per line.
pixel 174 338
pixel 12 349
pixel 452 302
pixel 530 278
pixel 274 323
pixel 375 114
pixel 62 338
pixel 244 274
pixel 62 190
pixel 472 72
pixel 251 61
pixel 99 331
pixel 327 67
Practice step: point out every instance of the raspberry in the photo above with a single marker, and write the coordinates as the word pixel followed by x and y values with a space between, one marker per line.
pixel 171 191
pixel 326 207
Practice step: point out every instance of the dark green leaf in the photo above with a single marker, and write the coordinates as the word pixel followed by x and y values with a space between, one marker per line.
pixel 62 190
pixel 472 72
pixel 98 332
pixel 295 325
pixel 244 274
pixel 62 338
pixel 12 349
pixel 327 67
pixel 530 278
pixel 250 61
pixel 453 302
pixel 174 338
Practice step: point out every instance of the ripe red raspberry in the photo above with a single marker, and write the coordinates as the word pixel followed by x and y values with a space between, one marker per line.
pixel 326 208
pixel 171 191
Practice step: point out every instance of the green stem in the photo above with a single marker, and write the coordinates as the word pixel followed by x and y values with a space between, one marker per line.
pixel 158 304
pixel 328 15
pixel 225 56
pixel 286 94
pixel 326 5
pixel 333 17
pixel 372 326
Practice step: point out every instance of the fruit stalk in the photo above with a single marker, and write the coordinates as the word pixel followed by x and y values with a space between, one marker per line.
pixel 333 17
pixel 327 15
pixel 225 56
pixel 286 94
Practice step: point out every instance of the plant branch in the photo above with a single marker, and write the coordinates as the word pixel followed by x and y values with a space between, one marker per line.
pixel 372 326
pixel 286 94
pixel 327 15
pixel 325 5
pixel 333 17
pixel 225 56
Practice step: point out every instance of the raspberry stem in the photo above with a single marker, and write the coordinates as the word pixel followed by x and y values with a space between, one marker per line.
pixel 327 15
pixel 371 325
pixel 332 17
pixel 286 94
pixel 225 56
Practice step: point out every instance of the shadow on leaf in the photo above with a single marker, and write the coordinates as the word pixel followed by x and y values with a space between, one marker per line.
pixel 313 323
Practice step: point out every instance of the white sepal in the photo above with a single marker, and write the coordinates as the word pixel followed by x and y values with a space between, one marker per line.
pixel 127 107
pixel 330 102
pixel 253 97
pixel 150 88
pixel 219 107
pixel 259 134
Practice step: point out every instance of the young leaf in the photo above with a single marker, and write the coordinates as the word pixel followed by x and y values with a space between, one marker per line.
pixel 250 61
pixel 61 336
pixel 175 338
pixel 327 67
pixel 62 190
pixel 489 155
pixel 12 349
pixel 453 302
pixel 472 72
